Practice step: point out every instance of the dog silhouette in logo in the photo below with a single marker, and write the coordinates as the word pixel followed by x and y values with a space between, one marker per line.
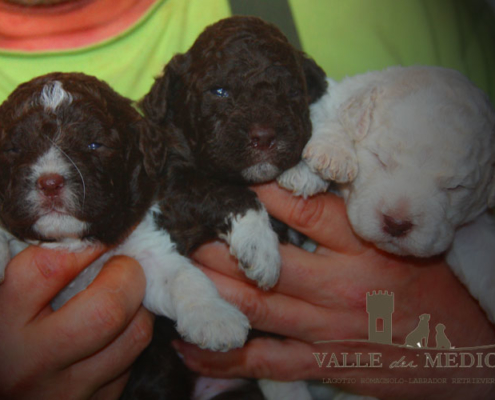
pixel 419 336
pixel 441 338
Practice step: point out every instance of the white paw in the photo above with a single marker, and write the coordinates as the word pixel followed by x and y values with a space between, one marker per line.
pixel 214 325
pixel 332 160
pixel 253 242
pixel 301 181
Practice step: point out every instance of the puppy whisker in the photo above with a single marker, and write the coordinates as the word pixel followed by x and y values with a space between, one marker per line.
pixel 75 166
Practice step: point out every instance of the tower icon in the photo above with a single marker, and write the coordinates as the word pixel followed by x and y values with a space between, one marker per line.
pixel 380 307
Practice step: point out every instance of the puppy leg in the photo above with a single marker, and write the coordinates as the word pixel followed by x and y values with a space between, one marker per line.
pixel 302 181
pixel 254 243
pixel 330 153
pixel 178 290
pixel 230 212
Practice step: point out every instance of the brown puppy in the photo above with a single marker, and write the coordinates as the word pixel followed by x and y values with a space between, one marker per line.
pixel 239 101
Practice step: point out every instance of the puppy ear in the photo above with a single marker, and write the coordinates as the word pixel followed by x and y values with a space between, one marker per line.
pixel 315 79
pixel 157 102
pixel 153 147
pixel 356 114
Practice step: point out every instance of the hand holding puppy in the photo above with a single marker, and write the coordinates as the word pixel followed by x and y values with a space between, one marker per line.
pixel 322 296
pixel 86 347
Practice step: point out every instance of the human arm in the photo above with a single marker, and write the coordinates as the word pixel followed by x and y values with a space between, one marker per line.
pixel 84 349
pixel 322 296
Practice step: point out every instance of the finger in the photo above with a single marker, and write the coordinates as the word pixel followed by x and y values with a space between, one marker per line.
pixel 117 358
pixel 323 218
pixel 275 312
pixel 36 275
pixel 95 316
pixel 306 276
pixel 260 358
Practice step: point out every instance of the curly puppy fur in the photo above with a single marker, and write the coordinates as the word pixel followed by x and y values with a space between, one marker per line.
pixel 414 151
pixel 74 127
pixel 240 99
pixel 238 103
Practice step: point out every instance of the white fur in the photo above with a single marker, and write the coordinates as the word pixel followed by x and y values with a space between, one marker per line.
pixel 175 288
pixel 302 181
pixel 275 390
pixel 261 172
pixel 418 146
pixel 472 258
pixel 5 251
pixel 253 242
pixel 53 95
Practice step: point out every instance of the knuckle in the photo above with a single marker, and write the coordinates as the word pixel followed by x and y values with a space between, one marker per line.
pixel 306 213
pixel 259 367
pixel 255 308
pixel 129 271
pixel 141 333
pixel 110 313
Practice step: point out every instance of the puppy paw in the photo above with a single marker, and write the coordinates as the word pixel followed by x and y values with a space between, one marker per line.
pixel 301 181
pixel 253 242
pixel 214 325
pixel 332 160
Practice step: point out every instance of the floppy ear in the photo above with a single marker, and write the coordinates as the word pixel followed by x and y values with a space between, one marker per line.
pixel 315 79
pixel 356 114
pixel 157 102
pixel 153 147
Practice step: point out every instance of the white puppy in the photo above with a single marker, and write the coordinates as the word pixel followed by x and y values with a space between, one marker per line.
pixel 413 151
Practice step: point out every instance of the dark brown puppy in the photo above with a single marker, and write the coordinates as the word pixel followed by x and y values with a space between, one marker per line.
pixel 239 99
pixel 79 167
pixel 71 161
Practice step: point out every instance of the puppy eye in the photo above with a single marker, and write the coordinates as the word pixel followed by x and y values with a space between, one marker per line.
pixel 94 146
pixel 220 92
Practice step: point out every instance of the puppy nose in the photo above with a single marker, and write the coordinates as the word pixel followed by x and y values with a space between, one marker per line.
pixel 50 184
pixel 396 227
pixel 262 138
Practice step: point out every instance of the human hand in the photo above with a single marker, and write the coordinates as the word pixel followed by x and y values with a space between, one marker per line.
pixel 84 349
pixel 322 297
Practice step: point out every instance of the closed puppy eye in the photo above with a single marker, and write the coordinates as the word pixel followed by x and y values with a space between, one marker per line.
pixel 220 92
pixel 380 160
pixel 456 188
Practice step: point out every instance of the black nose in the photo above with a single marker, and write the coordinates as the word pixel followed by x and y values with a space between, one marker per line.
pixel 262 138
pixel 50 184
pixel 396 227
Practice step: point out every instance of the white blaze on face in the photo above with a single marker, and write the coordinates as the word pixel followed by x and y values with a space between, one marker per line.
pixel 55 219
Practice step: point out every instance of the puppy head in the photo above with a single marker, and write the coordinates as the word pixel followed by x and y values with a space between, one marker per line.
pixel 71 152
pixel 426 159
pixel 240 95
